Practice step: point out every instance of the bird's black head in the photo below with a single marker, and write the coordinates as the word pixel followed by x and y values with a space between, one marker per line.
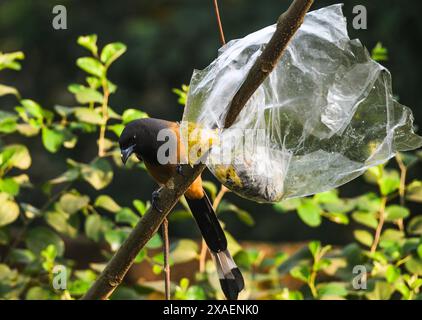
pixel 129 140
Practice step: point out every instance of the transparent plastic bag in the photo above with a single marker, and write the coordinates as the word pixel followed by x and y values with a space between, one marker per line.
pixel 323 116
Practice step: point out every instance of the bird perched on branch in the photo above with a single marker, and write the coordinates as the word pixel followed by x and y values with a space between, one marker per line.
pixel 142 138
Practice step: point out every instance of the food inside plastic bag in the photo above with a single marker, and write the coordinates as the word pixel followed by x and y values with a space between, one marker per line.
pixel 323 116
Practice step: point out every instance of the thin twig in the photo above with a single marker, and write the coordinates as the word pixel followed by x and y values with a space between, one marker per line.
pixel 402 187
pixel 104 107
pixel 380 225
pixel 166 252
pixel 220 25
pixel 204 247
pixel 116 269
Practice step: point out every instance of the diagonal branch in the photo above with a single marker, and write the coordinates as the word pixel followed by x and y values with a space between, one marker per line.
pixel 116 269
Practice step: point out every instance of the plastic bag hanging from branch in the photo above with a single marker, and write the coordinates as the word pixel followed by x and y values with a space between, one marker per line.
pixel 323 116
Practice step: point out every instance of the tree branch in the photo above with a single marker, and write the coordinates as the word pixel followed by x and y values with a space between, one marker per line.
pixel 116 269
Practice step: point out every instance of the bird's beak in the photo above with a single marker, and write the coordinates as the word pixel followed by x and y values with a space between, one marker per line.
pixel 126 153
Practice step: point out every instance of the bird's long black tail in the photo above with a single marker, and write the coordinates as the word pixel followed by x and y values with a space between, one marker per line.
pixel 231 280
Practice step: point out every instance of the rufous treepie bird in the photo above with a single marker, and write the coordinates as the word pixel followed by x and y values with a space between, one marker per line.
pixel 140 138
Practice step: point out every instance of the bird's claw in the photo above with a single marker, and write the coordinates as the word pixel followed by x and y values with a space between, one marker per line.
pixel 155 198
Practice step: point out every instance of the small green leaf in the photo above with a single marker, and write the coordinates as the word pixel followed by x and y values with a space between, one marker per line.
pixel 99 173
pixel 155 242
pixel 111 52
pixel 414 191
pixel 395 212
pixel 414 266
pixel 310 212
pixel 88 115
pixel 33 108
pixel 392 274
pixel 332 289
pixel 115 238
pixel 133 114
pixel 116 128
pixel 6 90
pixel 38 293
pixel 72 203
pixel 314 247
pixel 389 182
pixel 365 218
pixel 415 225
pixel 9 211
pixel 141 256
pixel 63 111
pixel 185 250
pixel 419 250
pixel 52 139
pixel 93 227
pixel 379 53
pixel 140 206
pixel 88 95
pixel 39 238
pixel 287 205
pixel 10 186
pixel 89 42
pixel 91 66
pixel 126 215
pixel 302 273
pixel 107 203
pixel 364 237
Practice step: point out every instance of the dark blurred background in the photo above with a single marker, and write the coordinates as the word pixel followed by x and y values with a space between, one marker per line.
pixel 166 40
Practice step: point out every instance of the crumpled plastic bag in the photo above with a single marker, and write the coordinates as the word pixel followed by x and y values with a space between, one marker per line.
pixel 323 116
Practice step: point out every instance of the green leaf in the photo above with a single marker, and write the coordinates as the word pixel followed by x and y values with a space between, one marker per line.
pixel 111 52
pixel 155 242
pixel 336 217
pixel 287 205
pixel 22 256
pixel 87 95
pixel 414 191
pixel 242 215
pixel 39 238
pixel 116 128
pixel 8 122
pixel 382 291
pixel 415 225
pixel 10 186
pixel 98 174
pixel 52 139
pixel 392 274
pixel 94 227
pixel 115 238
pixel 15 156
pixel 332 289
pixel 414 266
pixel 8 60
pixel 91 66
pixel 33 108
pixel 314 247
pixel 419 251
pixel 310 212
pixel 38 293
pixel 126 215
pixel 27 130
pixel 210 187
pixel 60 221
pixel 107 203
pixel 141 256
pixel 379 53
pixel 395 212
pixel 89 42
pixel 365 218
pixel 389 182
pixel 88 115
pixel 9 211
pixel 133 114
pixel 364 237
pixel 63 111
pixel 185 250
pixel 140 206
pixel 71 202
pixel 6 90
pixel 302 273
